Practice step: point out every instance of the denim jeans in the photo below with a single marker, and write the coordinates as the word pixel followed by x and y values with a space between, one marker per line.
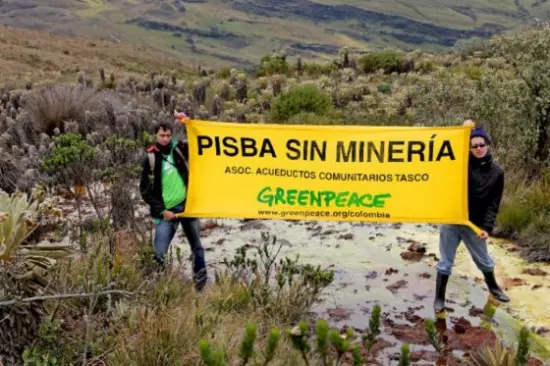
pixel 164 233
pixel 450 237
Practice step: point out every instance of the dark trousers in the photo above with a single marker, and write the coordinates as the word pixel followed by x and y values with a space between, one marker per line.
pixel 164 234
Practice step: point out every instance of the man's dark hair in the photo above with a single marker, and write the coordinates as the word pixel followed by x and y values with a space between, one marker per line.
pixel 164 125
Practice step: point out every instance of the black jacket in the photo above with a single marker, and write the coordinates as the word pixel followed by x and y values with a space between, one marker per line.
pixel 485 190
pixel 150 184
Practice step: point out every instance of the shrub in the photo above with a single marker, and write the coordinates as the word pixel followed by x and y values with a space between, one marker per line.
pixel 309 118
pixel 273 64
pixel 384 88
pixel 50 107
pixel 302 98
pixel 285 290
pixel 390 61
pixel 70 161
pixel 9 172
pixel 535 239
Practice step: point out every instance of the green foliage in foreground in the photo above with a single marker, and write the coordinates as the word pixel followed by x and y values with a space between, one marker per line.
pixel 328 346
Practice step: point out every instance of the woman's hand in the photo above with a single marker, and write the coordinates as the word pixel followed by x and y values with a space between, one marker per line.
pixel 483 235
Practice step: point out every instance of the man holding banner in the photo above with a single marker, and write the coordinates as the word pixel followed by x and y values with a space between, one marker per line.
pixel 166 163
pixel 485 189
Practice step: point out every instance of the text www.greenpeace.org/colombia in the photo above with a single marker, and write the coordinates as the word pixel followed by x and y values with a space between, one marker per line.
pixel 323 214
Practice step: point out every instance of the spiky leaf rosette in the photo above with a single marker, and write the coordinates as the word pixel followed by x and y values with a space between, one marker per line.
pixel 23 271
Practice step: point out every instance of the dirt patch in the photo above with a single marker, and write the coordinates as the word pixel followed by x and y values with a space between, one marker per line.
pixel 471 339
pixel 512 282
pixel 424 355
pixel 535 272
pixel 461 325
pixel 396 286
pixel 125 244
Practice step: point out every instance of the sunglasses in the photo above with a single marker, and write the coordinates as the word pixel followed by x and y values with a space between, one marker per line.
pixel 478 146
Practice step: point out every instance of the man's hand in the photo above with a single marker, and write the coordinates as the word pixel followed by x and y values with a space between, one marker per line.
pixel 483 235
pixel 181 117
pixel 168 215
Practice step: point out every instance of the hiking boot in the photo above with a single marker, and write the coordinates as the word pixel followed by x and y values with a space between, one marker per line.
pixel 440 289
pixel 493 287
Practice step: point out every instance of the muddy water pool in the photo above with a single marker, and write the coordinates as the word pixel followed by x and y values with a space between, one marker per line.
pixel 370 270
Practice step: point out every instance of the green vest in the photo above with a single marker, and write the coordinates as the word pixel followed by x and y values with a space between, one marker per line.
pixel 173 187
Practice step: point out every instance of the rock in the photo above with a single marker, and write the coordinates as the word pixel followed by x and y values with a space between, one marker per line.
pixel 339 314
pixel 209 225
pixel 461 325
pixel 419 297
pixel 348 236
pixel 411 256
pixel 434 256
pixel 476 311
pixel 417 247
pixel 371 275
pixel 253 225
pixel 390 271
pixel 316 228
pixel 535 272
pixel 410 334
pixel 412 317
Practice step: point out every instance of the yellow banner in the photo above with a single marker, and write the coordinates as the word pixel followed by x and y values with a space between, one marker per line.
pixel 345 173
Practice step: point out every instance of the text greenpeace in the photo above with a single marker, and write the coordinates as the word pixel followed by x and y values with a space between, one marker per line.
pixel 346 173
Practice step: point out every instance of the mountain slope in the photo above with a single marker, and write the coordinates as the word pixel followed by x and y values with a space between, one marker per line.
pixel 241 31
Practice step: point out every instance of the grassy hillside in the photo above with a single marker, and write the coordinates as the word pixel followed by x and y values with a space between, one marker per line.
pixel 221 32
pixel 40 57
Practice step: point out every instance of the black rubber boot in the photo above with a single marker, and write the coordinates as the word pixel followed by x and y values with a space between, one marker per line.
pixel 440 289
pixel 494 289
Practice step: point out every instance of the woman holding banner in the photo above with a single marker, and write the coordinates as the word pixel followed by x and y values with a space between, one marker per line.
pixel 485 189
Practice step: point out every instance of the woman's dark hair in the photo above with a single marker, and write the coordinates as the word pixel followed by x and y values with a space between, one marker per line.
pixel 164 125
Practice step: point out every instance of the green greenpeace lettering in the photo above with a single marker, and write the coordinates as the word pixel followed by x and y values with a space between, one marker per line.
pixel 295 197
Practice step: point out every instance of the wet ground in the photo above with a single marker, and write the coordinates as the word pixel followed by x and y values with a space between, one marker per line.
pixel 393 265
